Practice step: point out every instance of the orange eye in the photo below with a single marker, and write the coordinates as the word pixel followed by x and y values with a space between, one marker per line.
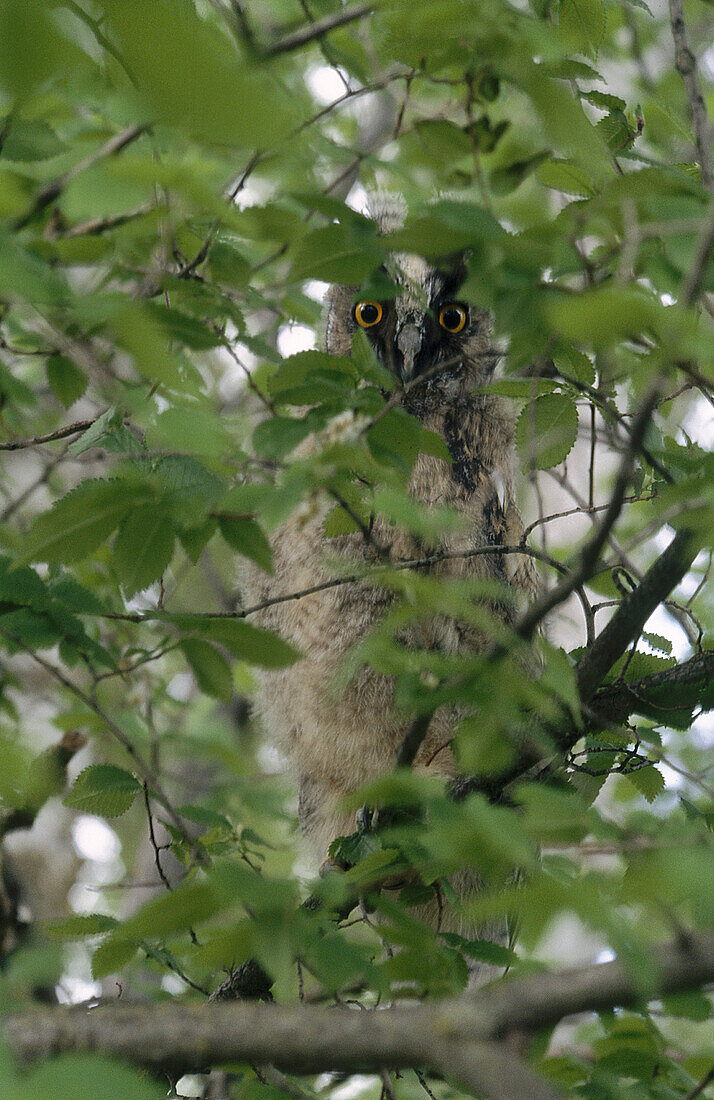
pixel 452 317
pixel 368 314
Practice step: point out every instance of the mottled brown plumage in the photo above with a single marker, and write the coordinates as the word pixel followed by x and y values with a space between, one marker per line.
pixel 337 738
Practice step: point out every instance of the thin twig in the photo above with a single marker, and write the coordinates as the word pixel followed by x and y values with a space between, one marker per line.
pixel 117 732
pixel 335 582
pixel 61 433
pixel 316 30
pixel 152 837
pixel 52 190
pixel 94 226
pixel 694 279
pixel 528 622
pixel 699 1088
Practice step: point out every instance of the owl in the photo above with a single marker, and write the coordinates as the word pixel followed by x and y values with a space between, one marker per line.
pixel 336 739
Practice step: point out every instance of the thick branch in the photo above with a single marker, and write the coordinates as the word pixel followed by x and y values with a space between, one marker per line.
pixel 634 611
pixel 616 702
pixel 413 740
pixel 458 1036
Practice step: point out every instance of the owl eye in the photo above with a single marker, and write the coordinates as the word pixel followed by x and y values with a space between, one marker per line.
pixel 368 314
pixel 452 317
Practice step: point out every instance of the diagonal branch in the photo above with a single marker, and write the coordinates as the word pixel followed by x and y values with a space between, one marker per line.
pixel 526 626
pixel 52 190
pixel 634 611
pixel 314 31
pixel 625 625
pixel 143 768
pixel 687 67
pixel 303 36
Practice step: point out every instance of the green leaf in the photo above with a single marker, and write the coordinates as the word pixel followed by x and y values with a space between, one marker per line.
pixel 277 437
pixel 546 430
pixel 75 595
pixel 337 253
pixel 561 174
pixel 181 326
pixel 21 586
pixel 305 365
pixel 690 1006
pixel 103 789
pixel 399 436
pixel 29 140
pixel 481 950
pixel 88 1077
pixel 441 141
pixel 143 548
pixel 113 954
pixel 81 925
pixel 210 667
pixel 648 781
pixel 193 539
pixel 66 381
pixel 572 363
pixel 97 433
pixel 658 642
pixel 604 100
pixel 187 905
pixel 193 429
pixel 241 639
pixel 189 73
pixel 488 136
pixel 247 537
pixel 188 489
pixel 505 179
pixel 81 521
pixel 582 25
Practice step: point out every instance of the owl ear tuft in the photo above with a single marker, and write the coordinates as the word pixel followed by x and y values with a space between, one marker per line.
pixel 388 209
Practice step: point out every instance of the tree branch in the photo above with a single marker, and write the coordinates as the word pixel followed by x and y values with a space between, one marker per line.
pixel 335 582
pixel 54 188
pixel 616 702
pixel 61 433
pixel 634 611
pixel 526 625
pixel 412 740
pixel 144 769
pixel 687 67
pixel 316 30
pixel 459 1037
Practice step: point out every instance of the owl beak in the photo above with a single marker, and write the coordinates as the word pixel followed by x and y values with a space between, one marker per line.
pixel 409 341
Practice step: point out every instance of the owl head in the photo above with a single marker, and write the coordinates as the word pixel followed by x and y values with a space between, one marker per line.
pixel 426 330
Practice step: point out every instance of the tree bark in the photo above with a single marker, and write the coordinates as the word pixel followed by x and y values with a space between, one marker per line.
pixel 461 1038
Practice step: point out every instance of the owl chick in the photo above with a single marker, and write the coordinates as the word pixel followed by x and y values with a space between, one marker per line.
pixel 337 740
